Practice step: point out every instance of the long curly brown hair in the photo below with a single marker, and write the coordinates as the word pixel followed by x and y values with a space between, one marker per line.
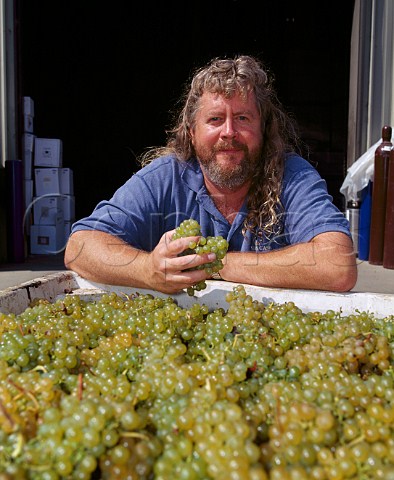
pixel 242 74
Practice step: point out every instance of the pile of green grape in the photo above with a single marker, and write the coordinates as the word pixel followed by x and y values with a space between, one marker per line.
pixel 138 387
pixel 218 245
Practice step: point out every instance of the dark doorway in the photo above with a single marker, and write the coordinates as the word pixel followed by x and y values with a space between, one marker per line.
pixel 104 79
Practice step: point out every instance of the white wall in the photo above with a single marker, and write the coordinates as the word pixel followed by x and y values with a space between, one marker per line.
pixel 371 75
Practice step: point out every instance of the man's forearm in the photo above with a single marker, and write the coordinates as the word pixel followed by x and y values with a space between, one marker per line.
pixel 325 263
pixel 103 258
pixel 312 265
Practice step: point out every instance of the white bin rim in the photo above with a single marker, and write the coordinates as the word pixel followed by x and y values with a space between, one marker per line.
pixel 50 287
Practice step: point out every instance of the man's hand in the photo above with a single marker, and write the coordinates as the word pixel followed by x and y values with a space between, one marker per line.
pixel 170 270
pixel 104 258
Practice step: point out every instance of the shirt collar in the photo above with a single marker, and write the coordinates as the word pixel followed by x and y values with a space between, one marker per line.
pixel 192 175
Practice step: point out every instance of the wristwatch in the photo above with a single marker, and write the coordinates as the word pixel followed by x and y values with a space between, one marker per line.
pixel 216 276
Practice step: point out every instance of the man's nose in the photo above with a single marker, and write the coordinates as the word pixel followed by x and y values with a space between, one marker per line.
pixel 229 130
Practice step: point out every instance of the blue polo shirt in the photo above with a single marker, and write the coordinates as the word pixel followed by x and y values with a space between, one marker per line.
pixel 164 193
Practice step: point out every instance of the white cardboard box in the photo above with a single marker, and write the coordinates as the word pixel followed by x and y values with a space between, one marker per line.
pixel 47 210
pixel 47 207
pixel 59 181
pixel 48 152
pixel 67 203
pixel 28 124
pixel 28 106
pixel 47 239
pixel 47 181
pixel 27 160
pixel 28 149
pixel 28 141
pixel 66 181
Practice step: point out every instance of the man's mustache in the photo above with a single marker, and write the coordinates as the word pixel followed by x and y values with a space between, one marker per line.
pixel 234 144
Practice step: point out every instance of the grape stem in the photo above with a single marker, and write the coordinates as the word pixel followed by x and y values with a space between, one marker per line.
pixel 236 338
pixel 80 386
pixel 88 368
pixel 206 354
pixel 7 415
pixel 357 440
pixel 278 408
pixel 25 392
pixel 142 436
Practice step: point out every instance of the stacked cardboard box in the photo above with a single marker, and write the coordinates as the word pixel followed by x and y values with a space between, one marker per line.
pixel 48 189
pixel 53 203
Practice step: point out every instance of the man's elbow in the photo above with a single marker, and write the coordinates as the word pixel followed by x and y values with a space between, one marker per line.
pixel 68 258
pixel 338 263
pixel 71 253
pixel 343 279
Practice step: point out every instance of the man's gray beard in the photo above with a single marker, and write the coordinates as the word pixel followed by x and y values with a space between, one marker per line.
pixel 232 178
pixel 229 179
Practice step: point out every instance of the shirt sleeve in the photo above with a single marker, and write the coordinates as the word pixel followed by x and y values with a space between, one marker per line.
pixel 131 214
pixel 308 207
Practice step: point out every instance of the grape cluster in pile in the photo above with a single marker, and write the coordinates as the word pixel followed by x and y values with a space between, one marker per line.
pixel 139 388
pixel 218 245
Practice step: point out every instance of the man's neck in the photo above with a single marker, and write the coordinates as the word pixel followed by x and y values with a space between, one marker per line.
pixel 229 202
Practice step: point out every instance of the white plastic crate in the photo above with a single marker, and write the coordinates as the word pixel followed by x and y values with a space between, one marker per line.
pixel 16 299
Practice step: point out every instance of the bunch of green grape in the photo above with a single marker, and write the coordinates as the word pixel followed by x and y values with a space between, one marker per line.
pixel 218 245
pixel 138 387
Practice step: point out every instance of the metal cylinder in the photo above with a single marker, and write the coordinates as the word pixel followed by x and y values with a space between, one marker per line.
pixel 353 216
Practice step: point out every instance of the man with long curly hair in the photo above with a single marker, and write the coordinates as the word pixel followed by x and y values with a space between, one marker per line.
pixel 232 162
